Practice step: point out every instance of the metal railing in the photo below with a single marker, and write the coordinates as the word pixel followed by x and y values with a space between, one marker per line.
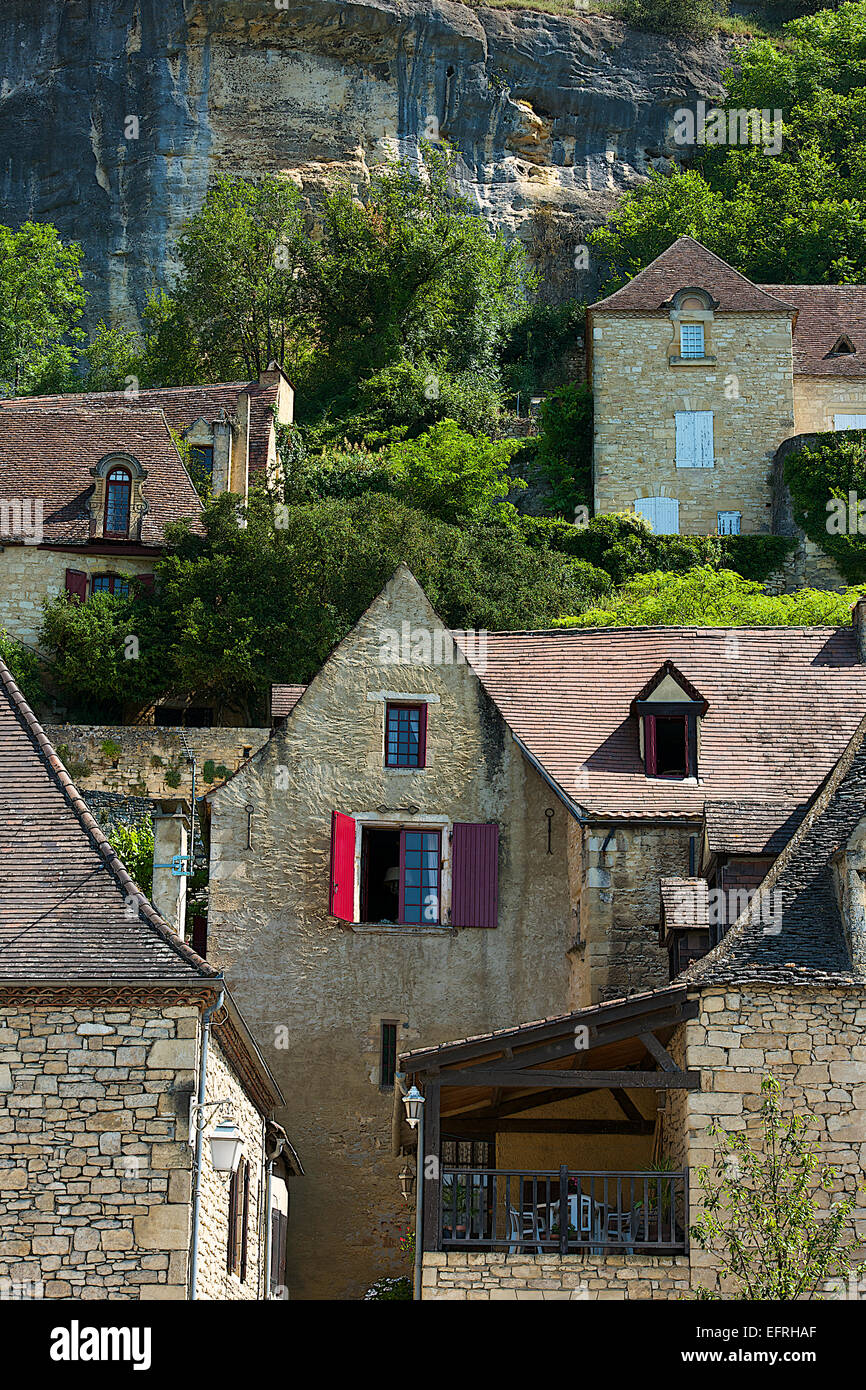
pixel 605 1212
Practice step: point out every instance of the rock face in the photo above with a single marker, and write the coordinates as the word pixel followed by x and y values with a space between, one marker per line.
pixel 114 114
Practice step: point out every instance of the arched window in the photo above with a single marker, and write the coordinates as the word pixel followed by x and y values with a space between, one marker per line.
pixel 118 495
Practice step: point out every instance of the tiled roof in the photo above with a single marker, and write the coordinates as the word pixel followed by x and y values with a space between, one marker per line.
pixel 69 911
pixel 751 827
pixel 792 931
pixel 783 703
pixel 284 698
pixel 183 405
pixel 689 265
pixel 826 313
pixel 685 902
pixel 48 454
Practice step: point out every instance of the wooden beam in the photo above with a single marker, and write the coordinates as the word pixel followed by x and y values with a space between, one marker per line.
pixel 586 1080
pixel 627 1105
pixel 466 1127
pixel 655 1049
pixel 564 1045
pixel 432 1173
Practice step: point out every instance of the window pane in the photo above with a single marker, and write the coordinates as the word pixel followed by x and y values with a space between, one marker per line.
pixel 117 502
pixel 403 736
pixel 692 339
pixel 421 860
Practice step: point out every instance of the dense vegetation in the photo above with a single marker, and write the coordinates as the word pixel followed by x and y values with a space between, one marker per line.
pixel 798 216
pixel 827 481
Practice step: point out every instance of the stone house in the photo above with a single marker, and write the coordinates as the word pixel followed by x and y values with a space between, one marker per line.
pixel 230 426
pixel 448 832
pixel 88 482
pixel 784 994
pixel 699 376
pixel 121 1051
pixel 86 495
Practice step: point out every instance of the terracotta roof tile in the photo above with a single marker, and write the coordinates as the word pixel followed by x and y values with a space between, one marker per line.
pixel 689 265
pixel 826 313
pixel 783 703
pixel 284 698
pixel 48 454
pixel 69 910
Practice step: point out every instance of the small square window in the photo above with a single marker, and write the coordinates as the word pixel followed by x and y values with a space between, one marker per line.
pixel 729 523
pixel 691 340
pixel 405 735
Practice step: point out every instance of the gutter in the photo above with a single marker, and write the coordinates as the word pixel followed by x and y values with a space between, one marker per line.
pixel 199 1141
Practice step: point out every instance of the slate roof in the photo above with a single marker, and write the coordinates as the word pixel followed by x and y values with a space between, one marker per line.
pixel 689 265
pixel 825 313
pixel 284 698
pixel 183 405
pixel 792 931
pixel 48 454
pixel 751 827
pixel 63 890
pixel 783 703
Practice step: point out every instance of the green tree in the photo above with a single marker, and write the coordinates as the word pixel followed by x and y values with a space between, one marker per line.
pixel 41 303
pixel 133 844
pixel 798 216
pixel 451 474
pixel 243 295
pixel 765 1210
pixel 695 19
pixel 564 453
pixel 25 668
pixel 705 597
pixel 95 667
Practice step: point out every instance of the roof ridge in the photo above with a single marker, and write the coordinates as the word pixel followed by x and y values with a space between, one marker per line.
pixel 101 844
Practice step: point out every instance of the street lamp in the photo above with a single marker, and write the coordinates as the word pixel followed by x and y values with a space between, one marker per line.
pixel 226 1143
pixel 414 1103
pixel 406 1179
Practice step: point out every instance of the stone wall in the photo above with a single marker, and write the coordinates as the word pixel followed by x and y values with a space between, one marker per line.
pixel 144 760
pixel 316 990
pixel 29 574
pixel 214 1280
pixel 495 1275
pixel 818 398
pixel 94 1164
pixel 615 871
pixel 637 393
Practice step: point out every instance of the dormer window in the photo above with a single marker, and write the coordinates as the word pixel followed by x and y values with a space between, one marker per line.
pixel 691 340
pixel 842 345
pixel 669 710
pixel 118 499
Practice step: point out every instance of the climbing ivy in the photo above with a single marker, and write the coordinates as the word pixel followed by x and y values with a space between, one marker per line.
pixel 822 477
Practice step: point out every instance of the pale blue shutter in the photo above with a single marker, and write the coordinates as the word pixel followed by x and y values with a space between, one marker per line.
pixel 704 438
pixel 685 439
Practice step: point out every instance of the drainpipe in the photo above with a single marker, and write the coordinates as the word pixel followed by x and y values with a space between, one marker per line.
pixel 270 1160
pixel 199 1140
pixel 400 1082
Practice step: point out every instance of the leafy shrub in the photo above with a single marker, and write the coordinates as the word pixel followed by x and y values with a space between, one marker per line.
pixel 704 597
pixel 694 19
pixel 25 668
pixel 399 1287
pixel 133 844
pixel 564 454
pixel 833 466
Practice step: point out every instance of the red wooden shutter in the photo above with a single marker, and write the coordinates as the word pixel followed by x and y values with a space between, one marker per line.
pixel 475 875
pixel 649 743
pixel 76 585
pixel 342 887
pixel 245 1218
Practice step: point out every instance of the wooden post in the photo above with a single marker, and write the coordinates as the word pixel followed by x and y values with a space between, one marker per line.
pixel 432 1171
pixel 563 1210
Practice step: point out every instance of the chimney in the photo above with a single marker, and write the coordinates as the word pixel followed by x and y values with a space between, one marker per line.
pixel 168 894
pixel 858 622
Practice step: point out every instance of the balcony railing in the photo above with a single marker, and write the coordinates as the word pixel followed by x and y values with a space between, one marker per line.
pixel 564 1211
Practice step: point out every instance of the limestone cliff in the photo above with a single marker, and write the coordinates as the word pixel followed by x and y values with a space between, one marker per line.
pixel 554 117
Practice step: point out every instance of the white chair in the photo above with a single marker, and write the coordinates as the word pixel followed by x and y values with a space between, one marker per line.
pixel 619 1230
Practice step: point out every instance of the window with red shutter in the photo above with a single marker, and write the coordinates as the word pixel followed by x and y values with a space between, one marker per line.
pixel 475 875
pixel 76 585
pixel 649 737
pixel 341 892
